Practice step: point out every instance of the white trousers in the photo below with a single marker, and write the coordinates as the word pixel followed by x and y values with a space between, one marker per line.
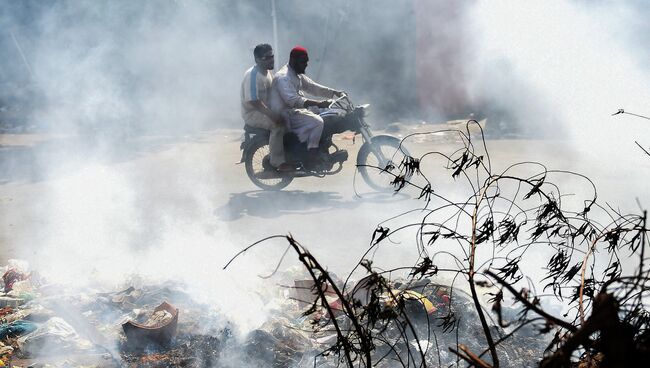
pixel 307 125
pixel 276 140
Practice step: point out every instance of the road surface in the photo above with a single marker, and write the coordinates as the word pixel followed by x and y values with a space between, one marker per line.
pixel 173 206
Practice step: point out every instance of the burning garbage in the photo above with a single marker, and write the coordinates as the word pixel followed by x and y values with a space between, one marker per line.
pixel 160 325
pixel 159 328
pixel 45 323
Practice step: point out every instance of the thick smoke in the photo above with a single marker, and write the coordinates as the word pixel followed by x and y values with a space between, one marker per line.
pixel 562 69
pixel 111 74
pixel 577 57
pixel 124 67
pixel 106 75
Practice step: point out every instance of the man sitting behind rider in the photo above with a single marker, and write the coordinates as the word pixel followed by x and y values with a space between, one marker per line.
pixel 288 99
pixel 255 91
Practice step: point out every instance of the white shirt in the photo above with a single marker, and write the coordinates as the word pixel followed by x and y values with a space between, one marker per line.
pixel 256 86
pixel 288 90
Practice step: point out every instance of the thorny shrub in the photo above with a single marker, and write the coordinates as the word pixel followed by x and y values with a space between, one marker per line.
pixel 597 269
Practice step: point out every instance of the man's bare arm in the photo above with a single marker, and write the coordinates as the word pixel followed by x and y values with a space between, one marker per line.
pixel 261 107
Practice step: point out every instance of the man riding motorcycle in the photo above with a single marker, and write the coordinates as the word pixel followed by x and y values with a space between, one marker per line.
pixel 300 113
pixel 309 148
pixel 255 91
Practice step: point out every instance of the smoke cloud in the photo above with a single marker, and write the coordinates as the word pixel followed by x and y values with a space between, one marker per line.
pixel 113 74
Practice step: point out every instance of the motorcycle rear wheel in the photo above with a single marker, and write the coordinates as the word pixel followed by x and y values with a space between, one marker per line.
pixel 259 169
pixel 378 172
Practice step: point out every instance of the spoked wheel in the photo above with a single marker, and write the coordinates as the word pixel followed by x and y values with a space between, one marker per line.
pixel 378 161
pixel 259 169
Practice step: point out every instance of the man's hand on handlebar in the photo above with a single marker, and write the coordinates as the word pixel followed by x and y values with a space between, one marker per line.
pixel 324 103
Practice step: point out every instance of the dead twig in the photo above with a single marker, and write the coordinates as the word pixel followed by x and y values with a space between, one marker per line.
pixel 530 305
pixel 469 357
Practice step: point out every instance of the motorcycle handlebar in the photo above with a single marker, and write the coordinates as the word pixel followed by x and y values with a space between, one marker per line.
pixel 343 97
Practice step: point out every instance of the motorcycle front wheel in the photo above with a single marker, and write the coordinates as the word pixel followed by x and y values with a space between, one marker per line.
pixel 378 161
pixel 259 169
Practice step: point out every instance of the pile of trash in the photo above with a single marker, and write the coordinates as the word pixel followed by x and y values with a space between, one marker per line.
pixel 439 317
pixel 43 325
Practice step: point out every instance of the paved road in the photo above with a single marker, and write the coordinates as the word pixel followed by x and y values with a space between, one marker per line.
pixel 61 198
pixel 167 207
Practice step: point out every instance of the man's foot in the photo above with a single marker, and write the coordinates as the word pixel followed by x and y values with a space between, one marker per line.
pixel 285 168
pixel 338 156
pixel 315 160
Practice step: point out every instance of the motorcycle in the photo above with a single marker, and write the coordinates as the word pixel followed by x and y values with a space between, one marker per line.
pixel 378 159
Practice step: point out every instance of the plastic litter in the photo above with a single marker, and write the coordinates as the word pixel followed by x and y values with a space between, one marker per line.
pixel 5 311
pixel 15 271
pixel 23 289
pixel 7 301
pixel 54 336
pixel 16 328
pixel 262 347
pixel 4 350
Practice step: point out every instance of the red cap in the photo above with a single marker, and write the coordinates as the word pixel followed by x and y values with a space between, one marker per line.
pixel 298 50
